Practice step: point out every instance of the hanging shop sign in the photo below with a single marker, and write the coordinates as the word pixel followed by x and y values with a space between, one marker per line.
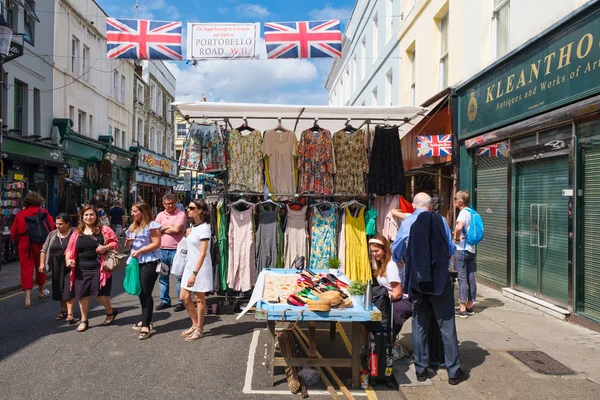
pixel 152 179
pixel 434 145
pixel 187 180
pixel 559 68
pixel 155 162
pixel 222 41
pixel 15 51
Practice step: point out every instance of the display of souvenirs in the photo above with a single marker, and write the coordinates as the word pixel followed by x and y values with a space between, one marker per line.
pixel 12 195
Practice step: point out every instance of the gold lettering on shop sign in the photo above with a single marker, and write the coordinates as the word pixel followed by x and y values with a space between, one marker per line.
pixel 505 86
pixel 590 39
pixel 564 58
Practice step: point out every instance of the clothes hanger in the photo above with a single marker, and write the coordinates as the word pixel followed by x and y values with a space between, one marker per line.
pixel 269 201
pixel 316 126
pixel 280 127
pixel 348 127
pixel 296 205
pixel 241 201
pixel 245 126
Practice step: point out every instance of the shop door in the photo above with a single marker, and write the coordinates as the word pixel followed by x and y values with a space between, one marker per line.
pixel 588 297
pixel 541 227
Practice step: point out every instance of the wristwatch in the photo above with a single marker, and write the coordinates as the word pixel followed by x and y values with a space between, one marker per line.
pixel 195 273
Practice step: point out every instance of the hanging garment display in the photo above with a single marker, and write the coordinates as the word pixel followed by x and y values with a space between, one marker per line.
pixel 203 149
pixel 386 171
pixel 342 241
pixel 240 276
pixel 280 148
pixel 222 240
pixel 371 221
pixel 315 162
pixel 268 237
pixel 245 162
pixel 351 162
pixel 296 236
pixel 358 266
pixel 323 237
pixel 383 205
pixel 215 254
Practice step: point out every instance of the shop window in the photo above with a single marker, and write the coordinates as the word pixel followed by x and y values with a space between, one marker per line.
pixel 500 19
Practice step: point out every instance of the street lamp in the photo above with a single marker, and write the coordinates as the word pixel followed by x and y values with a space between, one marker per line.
pixel 6 34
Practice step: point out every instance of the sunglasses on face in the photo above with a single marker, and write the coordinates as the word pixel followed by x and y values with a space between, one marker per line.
pixel 192 208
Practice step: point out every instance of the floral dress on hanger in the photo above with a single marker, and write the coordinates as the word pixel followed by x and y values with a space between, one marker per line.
pixel 315 162
pixel 351 162
pixel 323 239
pixel 246 167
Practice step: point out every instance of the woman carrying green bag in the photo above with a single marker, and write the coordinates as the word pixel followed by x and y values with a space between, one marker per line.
pixel 131 284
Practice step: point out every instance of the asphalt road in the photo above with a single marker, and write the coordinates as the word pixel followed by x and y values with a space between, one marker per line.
pixel 42 358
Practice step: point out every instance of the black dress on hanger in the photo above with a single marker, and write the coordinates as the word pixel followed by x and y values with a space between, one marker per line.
pixel 386 171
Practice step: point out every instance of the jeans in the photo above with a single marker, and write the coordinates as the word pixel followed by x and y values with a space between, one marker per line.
pixel 464 264
pixel 148 277
pixel 443 308
pixel 166 256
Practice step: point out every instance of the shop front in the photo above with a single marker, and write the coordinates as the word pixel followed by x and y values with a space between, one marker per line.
pixel 529 133
pixel 427 156
pixel 122 163
pixel 155 176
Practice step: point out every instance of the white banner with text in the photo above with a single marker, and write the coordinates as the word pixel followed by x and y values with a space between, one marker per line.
pixel 222 41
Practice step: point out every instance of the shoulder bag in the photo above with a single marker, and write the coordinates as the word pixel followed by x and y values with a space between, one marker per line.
pixel 114 261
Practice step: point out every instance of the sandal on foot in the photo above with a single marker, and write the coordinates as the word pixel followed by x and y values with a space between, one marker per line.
pixel 61 315
pixel 113 314
pixel 188 331
pixel 197 334
pixel 138 326
pixel 44 294
pixel 145 334
pixel 70 319
pixel 26 305
pixel 83 325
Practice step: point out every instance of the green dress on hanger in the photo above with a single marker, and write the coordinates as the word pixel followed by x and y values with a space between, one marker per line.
pixel 371 219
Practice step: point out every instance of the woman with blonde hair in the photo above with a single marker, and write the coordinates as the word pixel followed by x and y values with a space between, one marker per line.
pixel 143 238
pixel 85 256
pixel 197 276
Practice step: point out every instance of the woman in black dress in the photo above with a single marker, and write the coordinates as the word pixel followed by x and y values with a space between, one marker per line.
pixel 52 258
pixel 85 256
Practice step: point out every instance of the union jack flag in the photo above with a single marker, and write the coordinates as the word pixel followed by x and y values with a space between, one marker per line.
pixel 434 145
pixel 307 39
pixel 143 39
pixel 499 150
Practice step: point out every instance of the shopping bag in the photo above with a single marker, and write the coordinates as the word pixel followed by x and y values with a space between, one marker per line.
pixel 132 284
pixel 180 259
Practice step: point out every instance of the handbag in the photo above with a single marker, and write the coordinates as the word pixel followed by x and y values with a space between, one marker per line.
pixel 114 261
pixel 162 269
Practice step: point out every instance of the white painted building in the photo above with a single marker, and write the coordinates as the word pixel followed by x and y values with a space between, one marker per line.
pixel 403 52
pixel 91 90
pixel 27 95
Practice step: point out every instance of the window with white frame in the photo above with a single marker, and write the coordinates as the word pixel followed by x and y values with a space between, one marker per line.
pixel 72 113
pixel 29 18
pixel 81 122
pixel 152 97
pixel 140 92
pixel 389 81
pixel 181 129
pixel 389 14
pixel 501 24
pixel 160 149
pixel 363 58
pixel 123 86
pixel 91 125
pixel 168 116
pixel 86 63
pixel 123 143
pixel 75 55
pixel 444 51
pixel 413 77
pixel 375 41
pixel 116 77
pixel 153 138
pixel 374 97
pixel 139 131
pixel 159 102
pixel 117 136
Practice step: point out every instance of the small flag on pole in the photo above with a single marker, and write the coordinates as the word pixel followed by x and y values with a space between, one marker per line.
pixel 143 39
pixel 306 39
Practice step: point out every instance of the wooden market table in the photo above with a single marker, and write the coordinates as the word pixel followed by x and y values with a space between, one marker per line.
pixel 274 313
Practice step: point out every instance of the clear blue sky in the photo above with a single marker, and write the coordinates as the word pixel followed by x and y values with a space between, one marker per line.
pixel 264 81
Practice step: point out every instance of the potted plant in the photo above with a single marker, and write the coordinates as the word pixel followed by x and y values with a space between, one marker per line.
pixel 333 263
pixel 357 292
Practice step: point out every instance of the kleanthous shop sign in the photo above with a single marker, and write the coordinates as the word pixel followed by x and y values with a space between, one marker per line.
pixel 555 70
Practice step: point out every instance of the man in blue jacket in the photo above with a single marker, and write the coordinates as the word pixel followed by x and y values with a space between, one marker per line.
pixel 425 244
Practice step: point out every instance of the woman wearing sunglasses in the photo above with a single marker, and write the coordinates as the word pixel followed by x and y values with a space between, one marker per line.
pixel 197 277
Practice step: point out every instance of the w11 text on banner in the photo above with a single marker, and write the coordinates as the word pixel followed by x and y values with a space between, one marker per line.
pixel 222 41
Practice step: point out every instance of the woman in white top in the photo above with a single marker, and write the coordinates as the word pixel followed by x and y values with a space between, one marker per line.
pixel 197 277
pixel 388 275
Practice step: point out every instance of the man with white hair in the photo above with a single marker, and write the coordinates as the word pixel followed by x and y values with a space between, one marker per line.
pixel 425 244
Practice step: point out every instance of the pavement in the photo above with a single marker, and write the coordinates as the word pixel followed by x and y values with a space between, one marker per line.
pixel 228 363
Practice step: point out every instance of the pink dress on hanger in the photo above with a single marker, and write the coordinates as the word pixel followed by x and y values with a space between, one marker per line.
pixel 240 276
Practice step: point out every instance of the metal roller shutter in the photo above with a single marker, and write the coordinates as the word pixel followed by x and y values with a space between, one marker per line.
pixel 589 299
pixel 490 201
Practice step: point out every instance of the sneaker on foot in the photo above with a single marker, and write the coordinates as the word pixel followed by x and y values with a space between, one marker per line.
pixel 461 314
pixel 179 307
pixel 470 311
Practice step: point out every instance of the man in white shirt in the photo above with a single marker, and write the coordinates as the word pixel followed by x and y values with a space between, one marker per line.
pixel 464 258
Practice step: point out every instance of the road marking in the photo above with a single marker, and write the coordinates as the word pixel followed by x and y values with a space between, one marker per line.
pixel 20 292
pixel 250 372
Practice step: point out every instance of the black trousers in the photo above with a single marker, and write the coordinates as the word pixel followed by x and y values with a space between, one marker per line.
pixel 148 277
